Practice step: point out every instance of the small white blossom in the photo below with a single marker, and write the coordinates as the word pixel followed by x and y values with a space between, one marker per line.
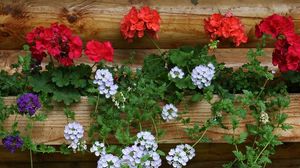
pixel 169 112
pixel 98 148
pixel 79 146
pixel 105 82
pixel 108 161
pixel 146 141
pixel 73 132
pixel 264 117
pixel 202 75
pixel 179 156
pixel 154 161
pixel 132 157
pixel 176 73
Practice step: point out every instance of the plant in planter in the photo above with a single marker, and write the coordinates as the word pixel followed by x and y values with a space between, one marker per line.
pixel 130 105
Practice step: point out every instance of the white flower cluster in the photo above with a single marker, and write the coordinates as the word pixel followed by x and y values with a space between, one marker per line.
pixel 146 141
pixel 73 133
pixel 176 72
pixel 119 99
pixel 202 75
pixel 169 112
pixel 179 156
pixel 108 161
pixel 133 156
pixel 264 117
pixel 144 146
pixel 105 82
pixel 98 148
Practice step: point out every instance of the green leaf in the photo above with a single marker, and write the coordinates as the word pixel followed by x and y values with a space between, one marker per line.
pixel 229 139
pixel 59 78
pixel 239 155
pixel 180 58
pixel 41 83
pixel 69 114
pixel 161 153
pixel 66 95
pixel 65 150
pixel 242 138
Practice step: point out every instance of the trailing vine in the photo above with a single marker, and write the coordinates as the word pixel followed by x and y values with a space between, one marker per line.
pixel 131 104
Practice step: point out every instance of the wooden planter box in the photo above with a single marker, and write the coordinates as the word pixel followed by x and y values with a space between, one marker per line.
pixel 182 24
pixel 51 131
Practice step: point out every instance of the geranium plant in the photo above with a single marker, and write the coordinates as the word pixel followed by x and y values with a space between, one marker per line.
pixel 130 104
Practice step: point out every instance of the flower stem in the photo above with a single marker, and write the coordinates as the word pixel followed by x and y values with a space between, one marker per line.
pixel 94 65
pixel 154 124
pixel 263 88
pixel 156 45
pixel 199 140
pixel 31 160
pixel 262 151
pixel 96 108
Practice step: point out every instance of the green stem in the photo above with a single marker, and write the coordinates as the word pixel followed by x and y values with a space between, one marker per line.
pixel 199 140
pixel 31 160
pixel 141 128
pixel 154 124
pixel 262 151
pixel 263 88
pixel 96 108
pixel 94 65
pixel 156 45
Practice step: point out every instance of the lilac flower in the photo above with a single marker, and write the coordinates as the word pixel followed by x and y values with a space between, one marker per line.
pixel 108 161
pixel 179 156
pixel 169 112
pixel 132 157
pixel 98 148
pixel 176 73
pixel 146 141
pixel 202 75
pixel 12 143
pixel 105 82
pixel 28 103
pixel 73 132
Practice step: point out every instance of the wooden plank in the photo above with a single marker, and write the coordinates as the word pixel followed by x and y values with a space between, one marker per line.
pixel 233 57
pixel 207 155
pixel 182 22
pixel 51 130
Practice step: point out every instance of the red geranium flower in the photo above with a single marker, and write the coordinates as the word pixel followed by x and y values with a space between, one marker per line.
pixel 136 22
pixel 97 51
pixel 275 25
pixel 286 54
pixel 225 27
pixel 57 41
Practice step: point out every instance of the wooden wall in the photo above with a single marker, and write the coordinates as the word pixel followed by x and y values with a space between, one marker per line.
pixel 182 24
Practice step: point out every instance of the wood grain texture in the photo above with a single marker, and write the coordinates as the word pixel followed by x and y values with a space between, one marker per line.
pixel 207 156
pixel 232 57
pixel 182 22
pixel 51 130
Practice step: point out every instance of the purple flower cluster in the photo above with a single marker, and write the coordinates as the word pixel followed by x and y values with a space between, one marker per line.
pixel 12 143
pixel 28 103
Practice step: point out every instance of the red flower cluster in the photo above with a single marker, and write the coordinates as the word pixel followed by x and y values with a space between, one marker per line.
pixel 97 51
pixel 57 41
pixel 287 47
pixel 225 26
pixel 136 22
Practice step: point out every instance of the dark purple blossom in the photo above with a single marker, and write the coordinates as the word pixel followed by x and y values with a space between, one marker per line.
pixel 28 103
pixel 12 143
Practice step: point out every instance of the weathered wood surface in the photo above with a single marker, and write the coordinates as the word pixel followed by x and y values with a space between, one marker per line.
pixel 207 156
pixel 233 57
pixel 182 22
pixel 51 130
